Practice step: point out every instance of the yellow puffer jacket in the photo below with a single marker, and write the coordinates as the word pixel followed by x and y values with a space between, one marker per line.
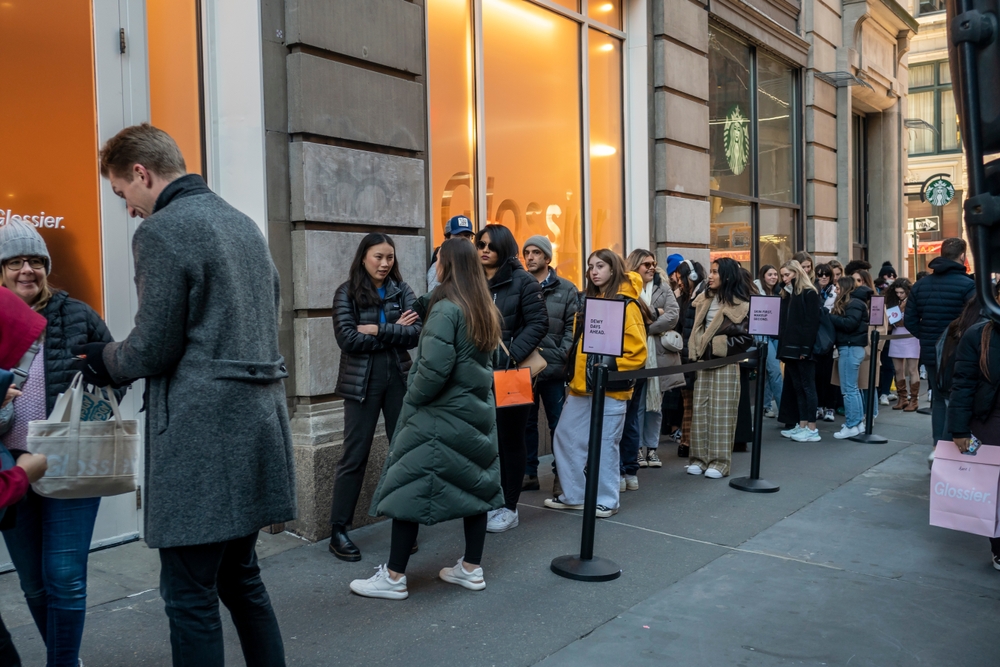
pixel 635 343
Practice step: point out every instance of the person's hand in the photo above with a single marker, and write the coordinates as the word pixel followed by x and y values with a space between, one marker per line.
pixel 963 444
pixel 408 318
pixel 659 311
pixel 12 393
pixel 90 362
pixel 34 464
pixel 368 329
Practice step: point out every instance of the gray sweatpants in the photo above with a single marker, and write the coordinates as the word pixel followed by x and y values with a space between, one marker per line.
pixel 569 445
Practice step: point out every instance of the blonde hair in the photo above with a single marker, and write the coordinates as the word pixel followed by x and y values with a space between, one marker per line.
pixel 45 292
pixel 801 278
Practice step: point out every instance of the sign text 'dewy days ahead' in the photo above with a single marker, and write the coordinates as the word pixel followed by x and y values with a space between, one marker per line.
pixel 604 324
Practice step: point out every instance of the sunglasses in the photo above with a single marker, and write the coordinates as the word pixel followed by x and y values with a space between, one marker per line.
pixel 648 265
pixel 482 245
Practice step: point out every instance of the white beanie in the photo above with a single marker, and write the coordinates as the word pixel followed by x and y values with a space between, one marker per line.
pixel 20 239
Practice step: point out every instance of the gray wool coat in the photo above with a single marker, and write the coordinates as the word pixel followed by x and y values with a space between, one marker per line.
pixel 218 445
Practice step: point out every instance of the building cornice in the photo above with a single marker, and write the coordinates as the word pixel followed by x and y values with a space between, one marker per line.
pixel 767 32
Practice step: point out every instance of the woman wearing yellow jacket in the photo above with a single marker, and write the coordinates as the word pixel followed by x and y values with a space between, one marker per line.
pixel 606 279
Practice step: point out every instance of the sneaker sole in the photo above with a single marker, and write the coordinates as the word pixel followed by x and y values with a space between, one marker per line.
pixel 606 515
pixel 381 595
pixel 464 583
pixel 658 464
pixel 707 476
pixel 699 472
pixel 632 488
pixel 807 439
pixel 996 565
pixel 563 506
pixel 504 529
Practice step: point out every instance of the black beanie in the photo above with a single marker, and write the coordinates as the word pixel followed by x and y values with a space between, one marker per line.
pixel 886 270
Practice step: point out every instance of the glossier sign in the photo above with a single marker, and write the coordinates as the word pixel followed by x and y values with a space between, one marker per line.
pixel 41 220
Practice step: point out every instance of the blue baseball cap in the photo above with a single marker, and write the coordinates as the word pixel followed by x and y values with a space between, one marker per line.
pixel 457 225
pixel 673 261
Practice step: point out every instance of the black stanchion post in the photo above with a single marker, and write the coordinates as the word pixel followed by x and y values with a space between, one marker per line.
pixel 584 567
pixel 753 483
pixel 868 436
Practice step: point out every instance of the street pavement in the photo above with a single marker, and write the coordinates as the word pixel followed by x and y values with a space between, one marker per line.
pixel 840 567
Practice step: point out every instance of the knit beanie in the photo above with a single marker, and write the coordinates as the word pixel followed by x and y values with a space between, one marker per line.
pixel 20 239
pixel 540 242
pixel 886 270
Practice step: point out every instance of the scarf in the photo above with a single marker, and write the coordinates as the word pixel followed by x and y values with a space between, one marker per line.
pixel 654 397
pixel 20 326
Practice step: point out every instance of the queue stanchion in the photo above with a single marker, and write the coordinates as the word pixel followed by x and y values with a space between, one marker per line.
pixel 869 437
pixel 585 566
pixel 753 483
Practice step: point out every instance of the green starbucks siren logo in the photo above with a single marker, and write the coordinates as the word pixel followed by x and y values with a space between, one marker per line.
pixel 736 138
pixel 939 192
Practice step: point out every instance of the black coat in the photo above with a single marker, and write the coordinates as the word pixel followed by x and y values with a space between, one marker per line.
pixel 935 301
pixel 852 326
pixel 562 301
pixel 356 349
pixel 685 324
pixel 799 324
pixel 972 395
pixel 524 320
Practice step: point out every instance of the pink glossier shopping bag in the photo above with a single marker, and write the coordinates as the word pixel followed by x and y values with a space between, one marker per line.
pixel 964 489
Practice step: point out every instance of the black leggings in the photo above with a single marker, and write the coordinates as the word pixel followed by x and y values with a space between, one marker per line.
pixel 404 536
pixel 511 425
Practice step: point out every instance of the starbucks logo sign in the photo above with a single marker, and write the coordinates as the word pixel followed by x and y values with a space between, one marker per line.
pixel 939 192
pixel 736 137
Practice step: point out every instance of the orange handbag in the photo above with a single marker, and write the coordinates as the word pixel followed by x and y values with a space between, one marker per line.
pixel 512 386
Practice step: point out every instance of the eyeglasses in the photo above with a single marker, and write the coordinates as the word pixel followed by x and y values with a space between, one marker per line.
pixel 482 245
pixel 18 262
pixel 648 265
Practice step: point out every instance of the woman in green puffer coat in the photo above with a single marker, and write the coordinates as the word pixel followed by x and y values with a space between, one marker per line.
pixel 443 462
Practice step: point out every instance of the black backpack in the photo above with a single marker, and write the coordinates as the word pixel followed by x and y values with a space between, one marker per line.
pixel 826 335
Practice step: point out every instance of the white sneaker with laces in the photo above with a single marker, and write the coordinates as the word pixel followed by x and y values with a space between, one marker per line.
pixel 788 433
pixel 556 504
pixel 829 416
pixel 653 459
pixel 459 575
pixel 770 414
pixel 712 473
pixel 893 396
pixel 847 432
pixel 381 585
pixel 694 470
pixel 631 482
pixel 605 512
pixel 883 400
pixel 807 435
pixel 642 459
pixel 622 485
pixel 503 520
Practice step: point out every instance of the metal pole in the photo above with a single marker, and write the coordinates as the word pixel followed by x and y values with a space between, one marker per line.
pixel 754 483
pixel 873 362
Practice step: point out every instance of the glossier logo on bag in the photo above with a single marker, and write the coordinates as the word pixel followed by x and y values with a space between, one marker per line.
pixel 40 220
pixel 945 489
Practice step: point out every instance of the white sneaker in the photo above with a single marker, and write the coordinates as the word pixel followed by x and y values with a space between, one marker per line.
pixel 712 473
pixel 996 562
pixel 893 396
pixel 642 459
pixel 930 459
pixel 883 400
pixel 847 432
pixel 556 504
pixel 381 586
pixel 829 417
pixel 923 372
pixel 770 414
pixel 807 435
pixel 694 470
pixel 459 575
pixel 819 413
pixel 631 482
pixel 622 485
pixel 788 433
pixel 653 459
pixel 605 512
pixel 504 519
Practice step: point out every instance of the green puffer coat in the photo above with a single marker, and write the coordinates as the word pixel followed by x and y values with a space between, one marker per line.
pixel 443 461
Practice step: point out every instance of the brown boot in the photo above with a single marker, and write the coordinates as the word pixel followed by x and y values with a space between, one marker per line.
pixel 902 402
pixel 914 397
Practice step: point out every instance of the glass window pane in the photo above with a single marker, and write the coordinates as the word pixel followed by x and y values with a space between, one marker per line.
pixel 921 75
pixel 451 88
pixel 608 12
pixel 922 107
pixel 931 6
pixel 949 121
pixel 174 81
pixel 775 133
pixel 732 231
pixel 944 73
pixel 606 159
pixel 532 123
pixel 729 113
pixel 50 118
pixel 777 235
pixel 569 4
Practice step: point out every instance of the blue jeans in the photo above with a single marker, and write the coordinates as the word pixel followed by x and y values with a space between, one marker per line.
pixel 848 365
pixel 49 546
pixel 632 434
pixel 552 394
pixel 650 423
pixel 775 383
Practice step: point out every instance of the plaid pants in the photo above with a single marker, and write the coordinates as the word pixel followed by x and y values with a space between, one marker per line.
pixel 714 411
pixel 687 395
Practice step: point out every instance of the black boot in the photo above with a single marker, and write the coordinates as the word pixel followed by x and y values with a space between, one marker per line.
pixel 342 547
pixel 683 451
pixel 530 483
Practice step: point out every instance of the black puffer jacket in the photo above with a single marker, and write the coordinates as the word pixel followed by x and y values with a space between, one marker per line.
pixel 935 301
pixel 852 326
pixel 799 324
pixel 685 324
pixel 524 321
pixel 71 323
pixel 973 397
pixel 562 301
pixel 356 348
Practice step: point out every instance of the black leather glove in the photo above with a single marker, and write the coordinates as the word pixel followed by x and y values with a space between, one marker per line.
pixel 92 364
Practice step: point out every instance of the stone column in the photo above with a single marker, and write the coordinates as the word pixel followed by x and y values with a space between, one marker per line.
pixel 681 167
pixel 346 119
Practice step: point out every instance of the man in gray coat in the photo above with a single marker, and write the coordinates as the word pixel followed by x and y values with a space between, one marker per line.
pixel 218 446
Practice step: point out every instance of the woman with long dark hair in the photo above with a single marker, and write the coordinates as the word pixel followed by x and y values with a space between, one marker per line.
pixel 375 325
pixel 827 395
pixel 446 431
pixel 850 321
pixel 689 282
pixel 799 324
pixel 905 353
pixel 607 278
pixel 719 330
pixel 768 284
pixel 523 324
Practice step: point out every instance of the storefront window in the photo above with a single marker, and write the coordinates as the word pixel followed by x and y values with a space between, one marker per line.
pixel 931 100
pixel 451 79
pixel 729 111
pixel 606 169
pixel 50 122
pixel 928 226
pixel 608 12
pixel 775 129
pixel 777 235
pixel 732 230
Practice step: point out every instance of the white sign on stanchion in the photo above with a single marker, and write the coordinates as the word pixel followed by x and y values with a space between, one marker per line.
pixel 765 311
pixel 605 327
pixel 877 311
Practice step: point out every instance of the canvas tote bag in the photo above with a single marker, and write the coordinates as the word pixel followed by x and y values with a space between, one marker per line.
pixel 87 456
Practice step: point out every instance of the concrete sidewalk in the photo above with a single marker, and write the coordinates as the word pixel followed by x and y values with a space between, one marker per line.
pixel 838 567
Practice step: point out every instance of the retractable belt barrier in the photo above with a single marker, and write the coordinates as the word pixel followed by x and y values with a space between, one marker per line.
pixel 752 353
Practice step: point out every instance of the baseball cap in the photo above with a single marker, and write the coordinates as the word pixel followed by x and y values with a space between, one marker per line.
pixel 457 225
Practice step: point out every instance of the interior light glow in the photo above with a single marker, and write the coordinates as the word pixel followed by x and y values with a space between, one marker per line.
pixel 606 7
pixel 519 13
pixel 602 150
pixel 606 47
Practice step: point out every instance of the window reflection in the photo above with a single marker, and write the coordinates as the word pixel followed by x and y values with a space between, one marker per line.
pixel 729 113
pixel 777 232
pixel 732 231
pixel 606 167
pixel 608 12
pixel 775 129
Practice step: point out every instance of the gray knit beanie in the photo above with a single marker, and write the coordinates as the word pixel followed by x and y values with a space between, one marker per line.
pixel 20 239
pixel 540 242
